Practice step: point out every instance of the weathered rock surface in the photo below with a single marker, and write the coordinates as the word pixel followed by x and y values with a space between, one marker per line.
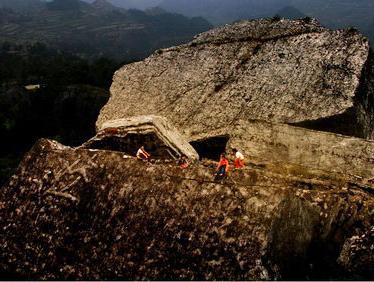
pixel 307 148
pixel 357 255
pixel 91 214
pixel 158 136
pixel 285 71
pixel 301 209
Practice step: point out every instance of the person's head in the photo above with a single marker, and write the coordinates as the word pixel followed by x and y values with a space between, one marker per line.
pixel 142 147
pixel 234 150
pixel 223 156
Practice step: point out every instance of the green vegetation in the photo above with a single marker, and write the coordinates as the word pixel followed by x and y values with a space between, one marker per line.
pixel 70 49
pixel 63 5
pixel 72 92
pixel 38 64
pixel 98 29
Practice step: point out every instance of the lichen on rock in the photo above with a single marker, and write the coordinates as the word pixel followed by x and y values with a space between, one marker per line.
pixel 294 72
pixel 159 137
pixel 300 209
pixel 95 215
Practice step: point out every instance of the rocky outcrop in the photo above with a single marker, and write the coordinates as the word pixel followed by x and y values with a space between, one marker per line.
pixel 300 209
pixel 294 72
pixel 159 137
pixel 281 143
pixel 357 255
pixel 92 214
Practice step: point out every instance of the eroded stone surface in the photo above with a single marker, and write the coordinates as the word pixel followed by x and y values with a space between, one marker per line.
pixel 83 214
pixel 282 71
pixel 357 255
pixel 158 136
pixel 304 199
pixel 280 143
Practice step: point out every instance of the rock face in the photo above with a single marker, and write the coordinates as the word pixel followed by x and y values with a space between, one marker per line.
pixel 294 72
pixel 358 253
pixel 301 209
pixel 280 143
pixel 160 138
pixel 84 214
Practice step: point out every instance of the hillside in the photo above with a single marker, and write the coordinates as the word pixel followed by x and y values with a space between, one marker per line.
pixel 22 5
pixel 133 4
pixel 84 214
pixel 225 11
pixel 301 208
pixel 100 29
pixel 269 69
pixel 331 13
pixel 65 107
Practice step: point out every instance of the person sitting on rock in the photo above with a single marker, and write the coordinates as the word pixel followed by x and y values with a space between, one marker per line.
pixel 222 168
pixel 142 154
pixel 239 159
pixel 183 162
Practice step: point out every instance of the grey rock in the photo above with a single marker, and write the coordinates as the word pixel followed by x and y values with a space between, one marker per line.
pixel 159 137
pixel 130 220
pixel 79 213
pixel 281 143
pixel 287 71
pixel 357 255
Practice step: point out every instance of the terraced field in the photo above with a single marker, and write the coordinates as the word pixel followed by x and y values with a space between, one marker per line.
pixel 91 31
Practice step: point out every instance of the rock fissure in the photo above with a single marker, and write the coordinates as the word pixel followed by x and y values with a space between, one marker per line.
pixel 249 38
pixel 329 67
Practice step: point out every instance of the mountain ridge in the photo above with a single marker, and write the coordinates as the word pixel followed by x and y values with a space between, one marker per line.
pixel 100 29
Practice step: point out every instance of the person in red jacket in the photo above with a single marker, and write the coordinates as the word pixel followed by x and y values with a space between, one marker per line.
pixel 183 162
pixel 223 167
pixel 239 159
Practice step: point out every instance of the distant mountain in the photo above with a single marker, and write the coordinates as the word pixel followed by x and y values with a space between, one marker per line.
pixel 67 5
pixel 339 13
pixel 136 4
pixel 133 4
pixel 104 5
pixel 331 13
pixel 225 11
pixel 100 29
pixel 155 11
pixel 22 5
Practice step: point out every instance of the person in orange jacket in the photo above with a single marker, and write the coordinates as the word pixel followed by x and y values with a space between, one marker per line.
pixel 223 167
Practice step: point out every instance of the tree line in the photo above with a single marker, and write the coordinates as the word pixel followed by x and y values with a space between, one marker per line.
pixel 70 93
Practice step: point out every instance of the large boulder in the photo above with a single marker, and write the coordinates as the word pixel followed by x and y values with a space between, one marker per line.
pixel 282 143
pixel 294 72
pixel 81 214
pixel 155 133
pixel 297 211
